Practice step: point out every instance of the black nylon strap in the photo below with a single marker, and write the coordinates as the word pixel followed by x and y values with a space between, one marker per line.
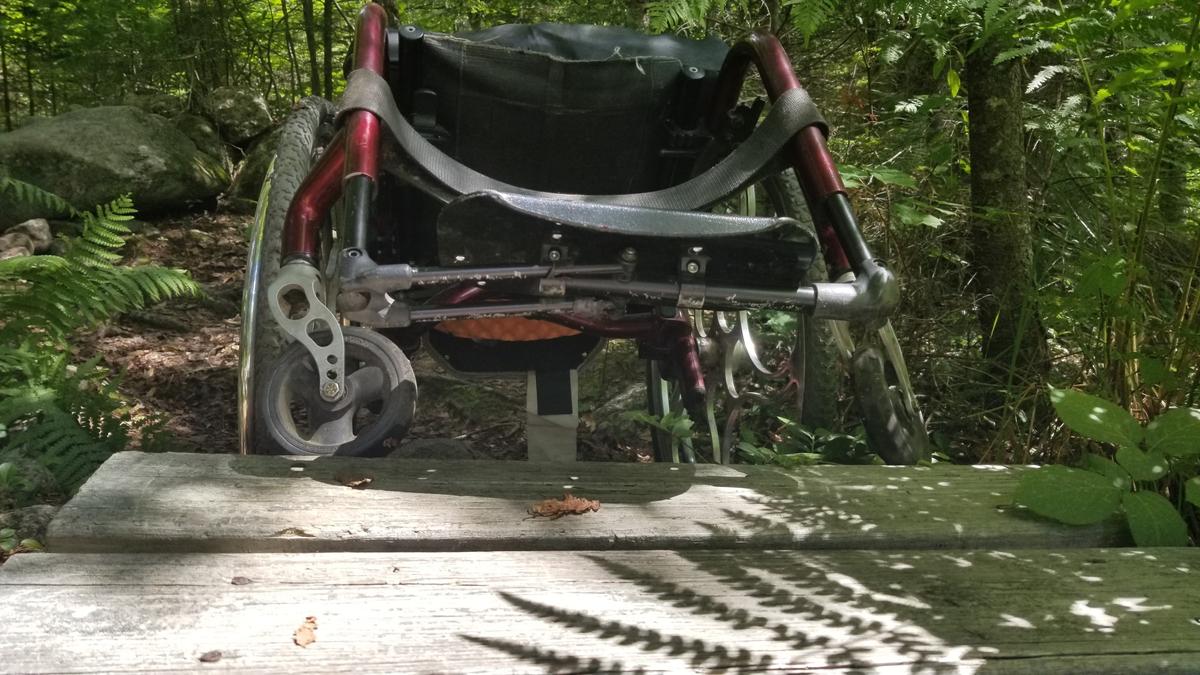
pixel 790 113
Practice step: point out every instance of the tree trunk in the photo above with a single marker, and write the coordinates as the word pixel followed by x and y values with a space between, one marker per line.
pixel 310 37
pixel 293 66
pixel 327 35
pixel 1001 256
pixel 8 124
pixel 29 75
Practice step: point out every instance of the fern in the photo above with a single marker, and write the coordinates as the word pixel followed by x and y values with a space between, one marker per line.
pixel 19 192
pixel 667 15
pixel 1023 51
pixel 53 296
pixel 809 15
pixel 1045 75
pixel 69 419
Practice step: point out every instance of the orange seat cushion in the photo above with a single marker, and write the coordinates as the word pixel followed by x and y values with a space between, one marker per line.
pixel 506 328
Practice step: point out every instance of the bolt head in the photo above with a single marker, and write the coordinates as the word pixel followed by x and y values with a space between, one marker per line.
pixel 554 255
pixel 693 267
pixel 330 390
pixel 629 255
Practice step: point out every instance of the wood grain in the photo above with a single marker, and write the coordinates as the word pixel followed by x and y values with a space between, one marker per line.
pixel 1032 611
pixel 225 503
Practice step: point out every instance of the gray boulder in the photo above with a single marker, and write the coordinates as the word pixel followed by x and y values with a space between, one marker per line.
pixel 30 522
pixel 15 245
pixel 90 156
pixel 249 177
pixel 38 232
pixel 239 115
pixel 155 102
pixel 204 134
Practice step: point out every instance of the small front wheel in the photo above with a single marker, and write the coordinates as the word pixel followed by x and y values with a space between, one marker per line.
pixel 377 404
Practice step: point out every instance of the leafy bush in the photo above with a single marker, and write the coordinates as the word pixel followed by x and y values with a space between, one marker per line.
pixel 63 416
pixel 1162 458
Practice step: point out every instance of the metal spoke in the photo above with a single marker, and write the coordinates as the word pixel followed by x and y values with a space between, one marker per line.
pixel 332 427
pixel 366 385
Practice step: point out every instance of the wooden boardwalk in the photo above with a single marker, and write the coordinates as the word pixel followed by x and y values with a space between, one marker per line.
pixel 163 559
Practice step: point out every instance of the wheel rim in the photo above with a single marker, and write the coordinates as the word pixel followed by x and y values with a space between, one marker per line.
pixel 252 288
pixel 378 401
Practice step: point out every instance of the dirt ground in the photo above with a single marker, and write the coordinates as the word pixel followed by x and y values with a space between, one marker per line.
pixel 180 359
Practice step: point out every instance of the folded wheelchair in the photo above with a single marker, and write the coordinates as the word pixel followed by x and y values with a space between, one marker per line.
pixel 510 198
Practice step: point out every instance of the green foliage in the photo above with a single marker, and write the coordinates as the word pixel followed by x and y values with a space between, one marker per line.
pixel 69 418
pixel 1134 483
pixel 13 191
pixel 10 545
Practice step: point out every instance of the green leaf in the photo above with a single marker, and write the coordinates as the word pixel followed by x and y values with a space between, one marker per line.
pixel 1175 433
pixel 1155 372
pixel 1153 520
pixel 1095 418
pixel 1105 277
pixel 892 177
pixel 1109 469
pixel 31 544
pixel 7 533
pixel 1192 491
pixel 1142 465
pixel 1068 495
pixel 953 81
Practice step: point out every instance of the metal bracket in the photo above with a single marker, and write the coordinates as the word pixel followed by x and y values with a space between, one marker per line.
pixel 330 358
pixel 691 281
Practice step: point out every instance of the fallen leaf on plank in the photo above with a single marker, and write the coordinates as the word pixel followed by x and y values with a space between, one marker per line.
pixel 568 505
pixel 240 581
pixel 357 481
pixel 210 657
pixel 306 634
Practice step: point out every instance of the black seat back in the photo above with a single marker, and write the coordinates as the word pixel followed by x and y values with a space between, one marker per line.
pixel 583 109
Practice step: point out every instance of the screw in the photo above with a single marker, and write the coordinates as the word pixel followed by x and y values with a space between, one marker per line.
pixel 554 255
pixel 629 255
pixel 693 267
pixel 330 390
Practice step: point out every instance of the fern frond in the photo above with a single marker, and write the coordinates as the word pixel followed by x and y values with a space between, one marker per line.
pixel 20 192
pixel 809 15
pixel 666 15
pixel 1045 75
pixel 1023 51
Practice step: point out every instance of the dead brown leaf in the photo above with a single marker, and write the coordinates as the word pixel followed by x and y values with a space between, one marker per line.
pixel 568 505
pixel 306 634
pixel 240 581
pixel 210 657
pixel 358 481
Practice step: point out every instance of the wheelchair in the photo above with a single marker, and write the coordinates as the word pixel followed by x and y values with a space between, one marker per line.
pixel 510 198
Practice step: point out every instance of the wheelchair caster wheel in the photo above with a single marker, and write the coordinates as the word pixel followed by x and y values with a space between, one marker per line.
pixel 895 429
pixel 378 402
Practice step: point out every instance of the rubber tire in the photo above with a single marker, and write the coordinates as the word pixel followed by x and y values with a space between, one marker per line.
pixel 397 410
pixel 298 141
pixel 891 433
pixel 822 374
pixel 662 441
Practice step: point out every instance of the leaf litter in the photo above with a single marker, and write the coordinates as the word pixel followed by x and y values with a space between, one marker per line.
pixel 568 505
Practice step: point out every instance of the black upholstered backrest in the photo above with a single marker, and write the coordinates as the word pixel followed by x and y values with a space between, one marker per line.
pixel 563 108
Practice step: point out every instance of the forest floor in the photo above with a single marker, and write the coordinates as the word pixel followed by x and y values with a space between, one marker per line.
pixel 179 361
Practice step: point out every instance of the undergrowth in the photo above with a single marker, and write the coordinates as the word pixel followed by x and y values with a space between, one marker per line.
pixel 59 418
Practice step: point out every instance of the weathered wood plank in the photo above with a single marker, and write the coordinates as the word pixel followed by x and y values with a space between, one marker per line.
pixel 224 503
pixel 1033 611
